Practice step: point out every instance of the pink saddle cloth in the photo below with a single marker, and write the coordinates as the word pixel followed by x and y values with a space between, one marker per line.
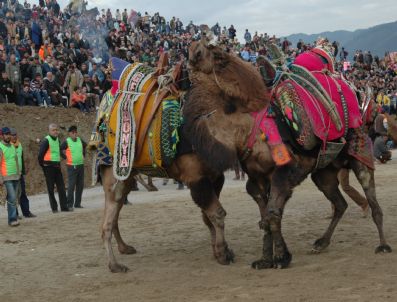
pixel 323 126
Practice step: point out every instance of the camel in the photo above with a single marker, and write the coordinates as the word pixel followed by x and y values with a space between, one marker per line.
pixel 218 109
pixel 205 185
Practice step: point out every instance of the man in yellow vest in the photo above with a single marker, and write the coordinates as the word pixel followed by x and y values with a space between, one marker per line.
pixel 9 175
pixel 50 160
pixel 23 199
pixel 73 150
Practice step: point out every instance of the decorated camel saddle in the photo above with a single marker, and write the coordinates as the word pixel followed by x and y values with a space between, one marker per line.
pixel 138 120
pixel 314 102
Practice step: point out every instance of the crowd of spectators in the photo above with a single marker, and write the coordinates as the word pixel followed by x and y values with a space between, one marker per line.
pixel 53 57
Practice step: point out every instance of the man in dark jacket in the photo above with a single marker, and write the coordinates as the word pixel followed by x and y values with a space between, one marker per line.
pixel 6 89
pixel 54 91
pixel 50 160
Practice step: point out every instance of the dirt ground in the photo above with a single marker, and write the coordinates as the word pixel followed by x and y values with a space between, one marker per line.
pixel 32 123
pixel 60 257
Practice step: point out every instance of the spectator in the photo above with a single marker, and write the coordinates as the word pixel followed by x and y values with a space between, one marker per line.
pixel 54 91
pixel 247 36
pixel 38 92
pixel 380 150
pixel 6 89
pixel 73 79
pixel 14 74
pixel 25 97
pixel 78 100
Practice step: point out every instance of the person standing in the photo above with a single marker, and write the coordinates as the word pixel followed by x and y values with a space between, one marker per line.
pixel 73 150
pixel 9 175
pixel 50 160
pixel 23 199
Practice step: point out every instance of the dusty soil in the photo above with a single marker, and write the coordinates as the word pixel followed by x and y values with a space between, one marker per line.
pixel 32 126
pixel 60 257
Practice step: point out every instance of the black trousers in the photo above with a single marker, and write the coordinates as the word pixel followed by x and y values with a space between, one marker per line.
pixel 75 185
pixel 23 200
pixel 53 176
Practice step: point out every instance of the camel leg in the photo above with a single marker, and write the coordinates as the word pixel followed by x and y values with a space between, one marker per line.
pixel 327 182
pixel 259 191
pixel 122 246
pixel 149 186
pixel 283 180
pixel 367 180
pixel 112 209
pixel 205 195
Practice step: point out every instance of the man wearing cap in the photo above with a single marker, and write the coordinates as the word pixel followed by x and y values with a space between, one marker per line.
pixel 9 175
pixel 23 199
pixel 50 160
pixel 73 150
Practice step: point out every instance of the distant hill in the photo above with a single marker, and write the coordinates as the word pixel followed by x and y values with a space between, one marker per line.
pixel 378 39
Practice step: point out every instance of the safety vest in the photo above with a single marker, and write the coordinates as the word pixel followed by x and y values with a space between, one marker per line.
pixel 19 154
pixel 9 159
pixel 52 153
pixel 74 152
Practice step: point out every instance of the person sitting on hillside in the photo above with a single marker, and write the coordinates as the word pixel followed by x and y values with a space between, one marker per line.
pixel 6 89
pixel 54 91
pixel 38 92
pixel 78 100
pixel 25 98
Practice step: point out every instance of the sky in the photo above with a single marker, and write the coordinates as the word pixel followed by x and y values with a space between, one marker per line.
pixel 279 17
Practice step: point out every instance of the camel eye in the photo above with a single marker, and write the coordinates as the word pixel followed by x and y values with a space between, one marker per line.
pixel 198 55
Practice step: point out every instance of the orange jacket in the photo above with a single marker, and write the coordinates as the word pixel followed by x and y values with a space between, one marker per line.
pixel 44 52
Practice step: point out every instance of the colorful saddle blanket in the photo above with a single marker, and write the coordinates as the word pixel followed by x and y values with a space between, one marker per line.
pixel 338 91
pixel 143 123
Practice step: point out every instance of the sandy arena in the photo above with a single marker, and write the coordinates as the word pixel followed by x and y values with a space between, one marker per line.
pixel 60 257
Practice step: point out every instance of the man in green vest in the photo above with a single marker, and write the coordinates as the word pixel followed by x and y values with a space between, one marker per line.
pixel 73 150
pixel 50 160
pixel 9 175
pixel 23 199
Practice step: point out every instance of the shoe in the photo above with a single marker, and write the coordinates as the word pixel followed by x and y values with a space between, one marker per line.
pixel 19 217
pixel 55 211
pixel 30 215
pixel 14 223
pixel 66 210
pixel 79 207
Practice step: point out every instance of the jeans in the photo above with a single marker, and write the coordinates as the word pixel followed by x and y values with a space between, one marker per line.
pixel 75 181
pixel 12 191
pixel 41 96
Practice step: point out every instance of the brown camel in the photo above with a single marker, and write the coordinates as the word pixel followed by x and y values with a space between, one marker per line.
pixel 205 184
pixel 224 92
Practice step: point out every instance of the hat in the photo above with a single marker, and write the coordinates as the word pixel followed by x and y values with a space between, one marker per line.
pixel 72 128
pixel 6 130
pixel 13 131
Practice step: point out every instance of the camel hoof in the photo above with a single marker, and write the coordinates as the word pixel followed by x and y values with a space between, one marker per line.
pixel 282 261
pixel 118 268
pixel 262 264
pixel 384 248
pixel 319 245
pixel 226 258
pixel 127 250
pixel 152 189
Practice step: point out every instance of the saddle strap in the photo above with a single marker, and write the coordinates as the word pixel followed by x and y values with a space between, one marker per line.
pixel 144 128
